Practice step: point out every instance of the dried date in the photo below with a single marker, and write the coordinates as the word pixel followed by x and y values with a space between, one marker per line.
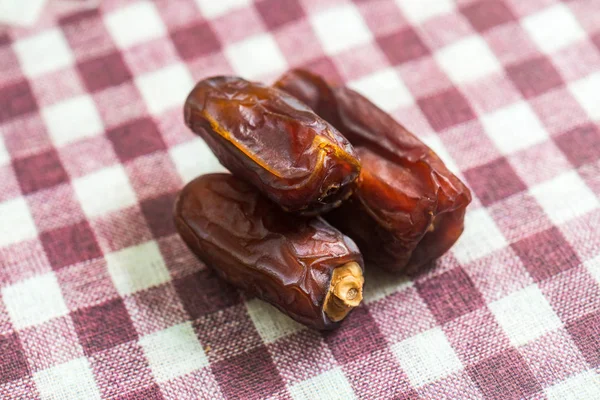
pixel 408 208
pixel 270 139
pixel 303 266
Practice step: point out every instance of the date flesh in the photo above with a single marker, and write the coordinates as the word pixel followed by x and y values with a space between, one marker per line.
pixel 270 139
pixel 408 208
pixel 303 266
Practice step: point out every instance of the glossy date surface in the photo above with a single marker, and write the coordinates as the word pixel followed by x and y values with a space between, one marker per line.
pixel 408 208
pixel 282 258
pixel 270 139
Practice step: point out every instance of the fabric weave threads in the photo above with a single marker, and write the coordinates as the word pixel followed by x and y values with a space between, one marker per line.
pixel 99 298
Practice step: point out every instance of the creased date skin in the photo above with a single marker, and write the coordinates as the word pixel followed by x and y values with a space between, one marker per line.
pixel 303 266
pixel 272 140
pixel 408 208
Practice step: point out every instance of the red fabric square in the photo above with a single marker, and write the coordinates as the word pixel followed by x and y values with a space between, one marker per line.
pixel 450 295
pixel 204 292
pixel 51 343
pixel 572 294
pixel 76 156
pixel 159 214
pixel 227 333
pixel 534 77
pixel 581 145
pixel 86 33
pixel 16 99
pixel 254 369
pixel 105 71
pixel 504 376
pixel 9 186
pixel 402 46
pixel 358 336
pixel 13 364
pixel 546 254
pixel 135 139
pixel 127 362
pixel 153 175
pixel 277 13
pixel 155 309
pixel 494 181
pixel 120 229
pixel 103 326
pixel 118 105
pixel 476 336
pixel 54 208
pixel 195 41
pixel 25 136
pixel 301 355
pixel 585 332
pixel 446 109
pixel 39 171
pixel 70 245
pixel 381 367
pixel 86 284
pixel 326 68
pixel 485 14
pixel 519 216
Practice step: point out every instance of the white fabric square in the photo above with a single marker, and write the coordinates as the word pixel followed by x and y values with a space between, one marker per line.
pixel 381 284
pixel 514 127
pixel 137 268
pixel 174 352
pixel 330 385
pixel 340 28
pixel 16 223
pixel 385 89
pixel 583 386
pixel 565 197
pixel 593 266
pixel 34 301
pixel 586 92
pixel 422 10
pixel 270 323
pixel 45 52
pixel 525 315
pixel 258 55
pixel 22 12
pixel 136 23
pixel 467 60
pixel 480 238
pixel 193 159
pixel 216 8
pixel 72 119
pixel 427 357
pixel 104 191
pixel 165 88
pixel 4 156
pixel 553 28
pixel 71 380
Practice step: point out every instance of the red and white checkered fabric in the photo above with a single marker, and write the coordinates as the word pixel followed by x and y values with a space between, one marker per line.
pixel 100 298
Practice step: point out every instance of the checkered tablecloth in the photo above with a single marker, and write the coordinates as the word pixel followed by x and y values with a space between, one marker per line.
pixel 101 299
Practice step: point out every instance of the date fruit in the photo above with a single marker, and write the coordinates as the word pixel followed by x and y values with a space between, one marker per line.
pixel 303 266
pixel 272 140
pixel 408 208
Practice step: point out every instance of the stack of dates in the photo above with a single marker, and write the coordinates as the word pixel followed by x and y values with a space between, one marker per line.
pixel 317 173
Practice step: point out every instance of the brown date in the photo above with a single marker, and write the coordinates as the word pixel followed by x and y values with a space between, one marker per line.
pixel 408 208
pixel 303 266
pixel 272 140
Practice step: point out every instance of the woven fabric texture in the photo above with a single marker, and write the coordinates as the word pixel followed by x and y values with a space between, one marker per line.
pixel 101 299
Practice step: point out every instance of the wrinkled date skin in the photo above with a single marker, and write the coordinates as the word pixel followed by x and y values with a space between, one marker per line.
pixel 282 258
pixel 270 139
pixel 408 208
